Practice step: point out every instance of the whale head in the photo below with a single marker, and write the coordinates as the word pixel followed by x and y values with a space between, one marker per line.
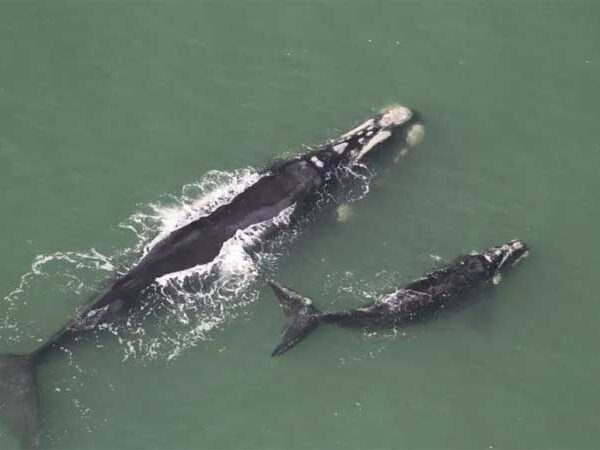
pixel 501 258
pixel 352 147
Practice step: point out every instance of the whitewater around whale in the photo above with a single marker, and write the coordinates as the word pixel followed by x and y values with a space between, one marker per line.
pixel 273 200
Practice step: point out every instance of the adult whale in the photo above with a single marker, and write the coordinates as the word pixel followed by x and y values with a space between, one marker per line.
pixel 295 183
pixel 428 294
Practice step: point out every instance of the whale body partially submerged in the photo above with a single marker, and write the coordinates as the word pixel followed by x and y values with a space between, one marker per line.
pixel 295 183
pixel 418 299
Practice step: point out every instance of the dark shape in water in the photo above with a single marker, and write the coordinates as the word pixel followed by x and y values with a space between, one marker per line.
pixel 421 297
pixel 294 182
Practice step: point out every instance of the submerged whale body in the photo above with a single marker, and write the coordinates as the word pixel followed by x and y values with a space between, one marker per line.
pixel 428 294
pixel 295 183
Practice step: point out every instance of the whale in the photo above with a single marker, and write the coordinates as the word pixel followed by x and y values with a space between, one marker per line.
pixel 419 299
pixel 295 184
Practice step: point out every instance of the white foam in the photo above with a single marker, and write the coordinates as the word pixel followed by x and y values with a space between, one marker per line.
pixel 196 200
pixel 183 307
pixel 197 300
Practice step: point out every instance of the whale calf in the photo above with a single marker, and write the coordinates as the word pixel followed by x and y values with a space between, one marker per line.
pixel 295 183
pixel 423 296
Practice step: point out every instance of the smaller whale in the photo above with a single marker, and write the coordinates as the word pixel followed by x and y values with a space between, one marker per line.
pixel 418 299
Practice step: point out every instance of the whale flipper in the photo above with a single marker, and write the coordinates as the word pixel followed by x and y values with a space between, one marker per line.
pixel 19 404
pixel 302 317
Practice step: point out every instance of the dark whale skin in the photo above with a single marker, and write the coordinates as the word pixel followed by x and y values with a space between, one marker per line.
pixel 434 291
pixel 299 181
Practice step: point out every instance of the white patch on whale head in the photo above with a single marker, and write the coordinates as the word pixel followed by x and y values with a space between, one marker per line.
pixel 394 115
pixel 339 148
pixel 517 245
pixel 354 131
pixel 380 137
pixel 317 162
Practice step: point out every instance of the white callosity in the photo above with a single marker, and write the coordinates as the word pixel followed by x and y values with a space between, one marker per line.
pixel 394 115
pixel 317 162
pixel 380 137
pixel 339 148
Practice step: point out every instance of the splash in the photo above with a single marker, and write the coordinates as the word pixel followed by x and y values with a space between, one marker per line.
pixel 181 308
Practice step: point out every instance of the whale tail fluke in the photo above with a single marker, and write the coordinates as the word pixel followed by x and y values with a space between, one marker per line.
pixel 302 317
pixel 19 404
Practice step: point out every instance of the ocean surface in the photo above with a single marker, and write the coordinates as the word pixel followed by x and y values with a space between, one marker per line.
pixel 120 121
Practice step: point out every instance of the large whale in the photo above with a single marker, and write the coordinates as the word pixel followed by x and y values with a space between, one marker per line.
pixel 295 183
pixel 418 299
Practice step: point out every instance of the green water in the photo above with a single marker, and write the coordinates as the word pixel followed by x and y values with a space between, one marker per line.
pixel 106 106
